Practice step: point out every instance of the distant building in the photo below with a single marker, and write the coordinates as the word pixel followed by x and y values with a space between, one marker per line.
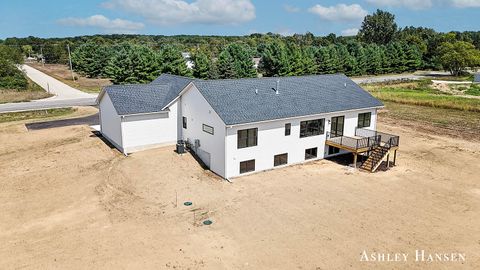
pixel 256 62
pixel 476 78
pixel 187 56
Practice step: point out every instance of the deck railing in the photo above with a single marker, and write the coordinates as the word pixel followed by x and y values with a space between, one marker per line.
pixel 384 138
pixel 355 143
pixel 366 139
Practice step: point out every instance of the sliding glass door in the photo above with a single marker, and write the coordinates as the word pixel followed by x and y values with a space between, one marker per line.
pixel 337 126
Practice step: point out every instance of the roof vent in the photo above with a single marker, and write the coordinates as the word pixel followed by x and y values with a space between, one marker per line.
pixel 278 87
pixel 256 91
pixel 345 84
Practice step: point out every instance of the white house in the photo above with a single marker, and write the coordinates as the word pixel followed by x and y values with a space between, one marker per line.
pixel 242 126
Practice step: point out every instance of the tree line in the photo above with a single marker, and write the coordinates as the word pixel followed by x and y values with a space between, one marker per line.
pixel 380 47
pixel 10 76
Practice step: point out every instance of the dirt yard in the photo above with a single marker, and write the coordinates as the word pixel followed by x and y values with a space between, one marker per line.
pixel 69 201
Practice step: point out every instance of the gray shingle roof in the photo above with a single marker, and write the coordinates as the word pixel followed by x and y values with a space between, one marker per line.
pixel 476 78
pixel 236 101
pixel 138 98
pixel 146 98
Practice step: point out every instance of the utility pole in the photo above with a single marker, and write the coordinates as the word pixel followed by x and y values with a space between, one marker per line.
pixel 70 61
pixel 43 58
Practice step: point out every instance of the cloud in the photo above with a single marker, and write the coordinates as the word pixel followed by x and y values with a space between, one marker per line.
pixel 466 3
pixel 286 32
pixel 411 4
pixel 425 4
pixel 291 9
pixel 350 32
pixel 171 12
pixel 100 21
pixel 340 12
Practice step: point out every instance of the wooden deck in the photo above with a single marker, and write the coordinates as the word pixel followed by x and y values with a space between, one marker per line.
pixel 365 140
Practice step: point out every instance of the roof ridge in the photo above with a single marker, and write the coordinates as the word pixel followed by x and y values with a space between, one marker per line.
pixel 264 78
pixel 174 75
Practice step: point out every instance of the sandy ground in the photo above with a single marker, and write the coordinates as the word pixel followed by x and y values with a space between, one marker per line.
pixel 69 201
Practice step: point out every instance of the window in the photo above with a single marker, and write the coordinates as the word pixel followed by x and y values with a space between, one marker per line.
pixel 208 129
pixel 337 126
pixel 333 150
pixel 247 166
pixel 281 159
pixel 312 128
pixel 184 121
pixel 364 119
pixel 247 138
pixel 288 129
pixel 310 153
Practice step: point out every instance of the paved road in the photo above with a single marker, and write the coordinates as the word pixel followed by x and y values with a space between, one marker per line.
pixel 87 120
pixel 45 104
pixel 65 95
pixel 54 86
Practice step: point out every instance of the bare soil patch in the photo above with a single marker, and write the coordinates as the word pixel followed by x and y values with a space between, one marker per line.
pixel 62 73
pixel 69 201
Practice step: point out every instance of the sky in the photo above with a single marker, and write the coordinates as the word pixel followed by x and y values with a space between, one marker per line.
pixel 65 18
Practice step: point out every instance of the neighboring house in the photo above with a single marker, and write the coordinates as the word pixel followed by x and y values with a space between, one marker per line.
pixel 256 62
pixel 246 125
pixel 188 60
pixel 476 78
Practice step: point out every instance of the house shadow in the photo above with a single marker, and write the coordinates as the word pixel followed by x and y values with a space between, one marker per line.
pixel 347 159
pixel 99 135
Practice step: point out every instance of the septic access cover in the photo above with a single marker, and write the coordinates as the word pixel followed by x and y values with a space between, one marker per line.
pixel 207 222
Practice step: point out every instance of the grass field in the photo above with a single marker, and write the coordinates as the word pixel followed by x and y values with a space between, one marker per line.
pixel 416 104
pixel 33 92
pixel 420 94
pixel 474 90
pixel 17 116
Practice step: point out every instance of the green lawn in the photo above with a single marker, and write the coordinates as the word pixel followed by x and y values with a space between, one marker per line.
pixel 474 90
pixel 420 94
pixel 33 92
pixel 17 116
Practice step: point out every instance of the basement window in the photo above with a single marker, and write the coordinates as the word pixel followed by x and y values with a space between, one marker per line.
pixel 310 153
pixel 281 159
pixel 364 119
pixel 208 129
pixel 247 166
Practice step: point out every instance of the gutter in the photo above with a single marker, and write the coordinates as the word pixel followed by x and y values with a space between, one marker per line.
pixel 147 113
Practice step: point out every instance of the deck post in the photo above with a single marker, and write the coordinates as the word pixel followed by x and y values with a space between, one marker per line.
pixel 395 158
pixel 388 161
pixel 355 160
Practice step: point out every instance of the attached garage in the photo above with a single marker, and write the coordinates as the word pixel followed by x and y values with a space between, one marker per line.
pixel 141 116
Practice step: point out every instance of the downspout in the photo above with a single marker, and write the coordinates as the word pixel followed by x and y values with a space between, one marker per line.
pixel 121 135
pixel 225 149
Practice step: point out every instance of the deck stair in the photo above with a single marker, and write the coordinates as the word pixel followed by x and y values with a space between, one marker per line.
pixel 374 160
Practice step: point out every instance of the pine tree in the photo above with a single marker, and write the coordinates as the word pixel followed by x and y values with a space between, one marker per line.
pixel 274 59
pixel 202 65
pixel 413 57
pixel 173 61
pixel 236 61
